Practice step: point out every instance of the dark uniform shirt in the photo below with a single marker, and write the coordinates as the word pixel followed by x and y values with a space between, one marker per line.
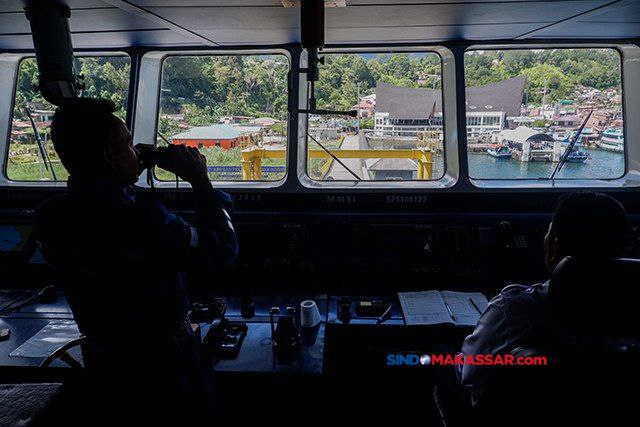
pixel 123 265
pixel 519 316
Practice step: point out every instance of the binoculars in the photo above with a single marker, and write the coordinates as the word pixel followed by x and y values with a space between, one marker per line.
pixel 148 155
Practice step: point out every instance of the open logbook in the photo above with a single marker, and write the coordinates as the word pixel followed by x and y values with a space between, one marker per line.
pixel 436 307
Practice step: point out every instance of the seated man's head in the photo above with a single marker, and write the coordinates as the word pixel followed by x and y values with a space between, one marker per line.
pixel 92 142
pixel 586 224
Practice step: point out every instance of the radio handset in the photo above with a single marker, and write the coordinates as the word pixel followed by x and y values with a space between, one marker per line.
pixel 505 234
pixel 509 239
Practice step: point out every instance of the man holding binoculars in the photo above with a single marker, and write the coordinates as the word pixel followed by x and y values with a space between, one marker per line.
pixel 123 265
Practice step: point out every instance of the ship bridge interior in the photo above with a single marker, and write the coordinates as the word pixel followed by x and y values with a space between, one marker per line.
pixel 363 144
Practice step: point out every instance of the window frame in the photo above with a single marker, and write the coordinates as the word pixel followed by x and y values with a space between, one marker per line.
pixel 151 69
pixel 451 173
pixel 16 61
pixel 629 56
pixel 142 106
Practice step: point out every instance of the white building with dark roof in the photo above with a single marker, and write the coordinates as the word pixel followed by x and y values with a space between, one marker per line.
pixel 402 112
pixel 529 144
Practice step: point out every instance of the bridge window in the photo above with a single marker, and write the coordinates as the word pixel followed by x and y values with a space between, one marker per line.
pixel 539 98
pixel 104 76
pixel 398 132
pixel 233 108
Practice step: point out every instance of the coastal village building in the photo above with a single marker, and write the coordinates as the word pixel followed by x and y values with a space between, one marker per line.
pixel 402 112
pixel 365 108
pixel 265 122
pixel 222 135
pixel 529 144
pixel 391 169
pixel 229 120
pixel 563 126
pixel 179 117
pixel 21 130
pixel 568 121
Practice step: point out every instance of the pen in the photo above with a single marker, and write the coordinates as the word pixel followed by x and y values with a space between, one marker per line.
pixel 473 303
pixel 450 312
pixel 385 315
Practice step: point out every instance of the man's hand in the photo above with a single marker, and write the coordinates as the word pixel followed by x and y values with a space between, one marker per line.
pixel 186 162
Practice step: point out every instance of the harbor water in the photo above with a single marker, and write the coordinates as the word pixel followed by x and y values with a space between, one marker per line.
pixel 601 165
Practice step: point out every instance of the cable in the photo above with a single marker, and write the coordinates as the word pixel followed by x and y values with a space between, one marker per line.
pixel 30 300
pixel 168 145
pixel 15 300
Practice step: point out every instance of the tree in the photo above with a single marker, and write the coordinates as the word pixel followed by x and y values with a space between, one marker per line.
pixel 168 127
pixel 25 92
pixel 548 82
pixel 196 116
pixel 367 123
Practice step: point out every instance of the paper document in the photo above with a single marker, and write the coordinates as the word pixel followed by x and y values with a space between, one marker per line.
pixel 437 307
pixel 48 339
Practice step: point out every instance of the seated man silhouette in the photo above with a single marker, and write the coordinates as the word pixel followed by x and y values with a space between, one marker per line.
pixel 583 224
pixel 123 265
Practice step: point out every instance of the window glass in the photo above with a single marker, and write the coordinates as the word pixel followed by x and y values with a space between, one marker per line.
pixel 104 77
pixel 233 108
pixel 525 106
pixel 398 133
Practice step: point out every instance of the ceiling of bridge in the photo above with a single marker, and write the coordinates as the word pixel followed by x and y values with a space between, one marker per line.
pixel 121 23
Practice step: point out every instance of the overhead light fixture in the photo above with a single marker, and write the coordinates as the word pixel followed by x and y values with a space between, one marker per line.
pixel 327 3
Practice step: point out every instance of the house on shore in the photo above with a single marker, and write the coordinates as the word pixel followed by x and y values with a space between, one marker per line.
pixel 221 135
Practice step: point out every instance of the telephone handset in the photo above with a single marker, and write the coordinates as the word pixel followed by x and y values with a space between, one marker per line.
pixel 509 239
pixel 224 338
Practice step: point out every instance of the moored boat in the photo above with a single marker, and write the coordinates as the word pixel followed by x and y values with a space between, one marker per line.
pixel 612 140
pixel 577 156
pixel 499 152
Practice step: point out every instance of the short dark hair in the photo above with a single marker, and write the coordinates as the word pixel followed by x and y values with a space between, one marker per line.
pixel 80 129
pixel 590 224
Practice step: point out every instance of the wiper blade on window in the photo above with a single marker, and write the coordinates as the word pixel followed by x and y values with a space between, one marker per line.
pixel 336 159
pixel 164 139
pixel 569 150
pixel 43 150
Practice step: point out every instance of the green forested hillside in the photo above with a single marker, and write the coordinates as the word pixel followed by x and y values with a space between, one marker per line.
pixel 207 87
pixel 254 86
pixel 104 77
pixel 560 70
pixel 203 88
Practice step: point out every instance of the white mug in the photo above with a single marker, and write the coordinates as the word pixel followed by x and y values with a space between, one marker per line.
pixel 309 314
